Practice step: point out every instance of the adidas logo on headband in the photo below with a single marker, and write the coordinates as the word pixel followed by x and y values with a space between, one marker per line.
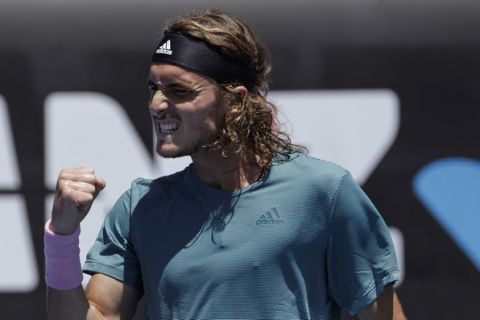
pixel 165 48
pixel 199 56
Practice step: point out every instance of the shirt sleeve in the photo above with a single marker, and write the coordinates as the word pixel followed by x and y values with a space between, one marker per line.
pixel 112 253
pixel 360 255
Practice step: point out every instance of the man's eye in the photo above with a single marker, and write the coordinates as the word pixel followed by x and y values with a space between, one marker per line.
pixel 152 87
pixel 180 91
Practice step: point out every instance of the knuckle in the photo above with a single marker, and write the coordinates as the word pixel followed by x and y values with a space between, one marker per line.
pixel 60 186
pixel 63 185
pixel 62 175
pixel 66 192
pixel 85 169
pixel 90 189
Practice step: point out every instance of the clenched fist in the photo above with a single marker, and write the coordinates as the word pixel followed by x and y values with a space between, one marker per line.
pixel 77 188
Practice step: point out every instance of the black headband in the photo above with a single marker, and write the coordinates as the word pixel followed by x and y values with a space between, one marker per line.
pixel 197 55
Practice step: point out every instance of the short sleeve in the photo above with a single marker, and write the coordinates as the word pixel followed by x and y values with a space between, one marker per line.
pixel 112 253
pixel 360 255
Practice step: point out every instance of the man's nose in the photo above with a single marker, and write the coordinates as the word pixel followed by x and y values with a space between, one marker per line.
pixel 158 105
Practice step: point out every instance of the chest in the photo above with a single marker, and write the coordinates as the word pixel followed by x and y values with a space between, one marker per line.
pixel 178 239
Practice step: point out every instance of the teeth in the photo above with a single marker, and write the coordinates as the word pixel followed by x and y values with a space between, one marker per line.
pixel 168 127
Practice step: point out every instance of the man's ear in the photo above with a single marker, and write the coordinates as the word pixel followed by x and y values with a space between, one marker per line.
pixel 240 92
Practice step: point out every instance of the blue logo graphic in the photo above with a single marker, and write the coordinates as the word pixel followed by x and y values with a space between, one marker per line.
pixel 450 190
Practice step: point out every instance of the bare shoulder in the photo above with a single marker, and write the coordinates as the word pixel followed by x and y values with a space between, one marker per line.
pixel 111 298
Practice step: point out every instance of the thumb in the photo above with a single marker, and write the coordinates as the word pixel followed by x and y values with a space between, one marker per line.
pixel 99 184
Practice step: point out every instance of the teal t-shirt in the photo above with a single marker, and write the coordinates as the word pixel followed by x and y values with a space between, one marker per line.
pixel 301 243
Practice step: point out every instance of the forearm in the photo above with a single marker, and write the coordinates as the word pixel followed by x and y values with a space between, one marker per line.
pixel 66 298
pixel 67 304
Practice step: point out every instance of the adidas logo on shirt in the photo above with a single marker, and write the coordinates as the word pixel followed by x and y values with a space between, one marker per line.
pixel 270 217
pixel 165 48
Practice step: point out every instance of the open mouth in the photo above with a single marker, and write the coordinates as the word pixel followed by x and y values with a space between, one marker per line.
pixel 168 127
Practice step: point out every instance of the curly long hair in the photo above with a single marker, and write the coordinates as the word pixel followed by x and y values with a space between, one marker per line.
pixel 251 125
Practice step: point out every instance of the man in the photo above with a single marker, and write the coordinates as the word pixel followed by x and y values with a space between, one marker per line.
pixel 251 230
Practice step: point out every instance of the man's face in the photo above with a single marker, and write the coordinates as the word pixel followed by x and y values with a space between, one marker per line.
pixel 186 108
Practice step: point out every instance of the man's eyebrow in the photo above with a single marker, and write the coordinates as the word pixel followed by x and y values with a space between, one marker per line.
pixel 172 84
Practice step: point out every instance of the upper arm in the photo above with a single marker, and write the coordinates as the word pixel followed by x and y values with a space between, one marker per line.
pixel 113 252
pixel 110 298
pixel 360 254
pixel 385 307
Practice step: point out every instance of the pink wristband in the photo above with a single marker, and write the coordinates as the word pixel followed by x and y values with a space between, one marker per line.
pixel 63 269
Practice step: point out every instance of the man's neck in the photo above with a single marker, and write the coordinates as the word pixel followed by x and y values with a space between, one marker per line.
pixel 228 174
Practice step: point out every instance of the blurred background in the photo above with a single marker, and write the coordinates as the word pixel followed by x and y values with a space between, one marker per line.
pixel 389 89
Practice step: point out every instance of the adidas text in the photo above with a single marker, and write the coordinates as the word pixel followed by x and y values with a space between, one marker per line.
pixel 164 51
pixel 270 217
pixel 270 221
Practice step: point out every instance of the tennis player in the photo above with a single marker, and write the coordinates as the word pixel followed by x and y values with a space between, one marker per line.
pixel 252 229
